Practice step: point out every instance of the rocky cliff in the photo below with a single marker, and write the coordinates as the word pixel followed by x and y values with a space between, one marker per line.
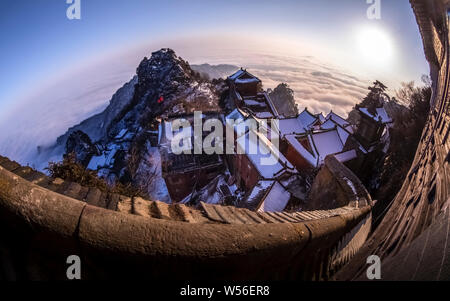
pixel 123 135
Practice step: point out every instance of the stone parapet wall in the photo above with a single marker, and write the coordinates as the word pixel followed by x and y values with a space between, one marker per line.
pixel 423 201
pixel 40 228
pixel 336 186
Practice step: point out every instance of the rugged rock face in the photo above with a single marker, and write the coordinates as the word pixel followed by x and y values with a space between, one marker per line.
pixel 96 125
pixel 166 85
pixel 124 133
pixel 80 144
pixel 283 98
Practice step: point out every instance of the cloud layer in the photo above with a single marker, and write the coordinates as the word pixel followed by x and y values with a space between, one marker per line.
pixel 49 113
pixel 317 86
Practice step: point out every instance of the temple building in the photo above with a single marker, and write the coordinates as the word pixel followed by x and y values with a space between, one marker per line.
pixel 186 172
pixel 372 126
pixel 266 173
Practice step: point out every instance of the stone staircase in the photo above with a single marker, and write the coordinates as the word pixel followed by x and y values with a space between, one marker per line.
pixel 154 209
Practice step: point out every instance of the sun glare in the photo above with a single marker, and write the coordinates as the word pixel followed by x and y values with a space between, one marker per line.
pixel 375 46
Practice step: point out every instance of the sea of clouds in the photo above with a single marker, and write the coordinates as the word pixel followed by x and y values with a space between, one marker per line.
pixel 40 119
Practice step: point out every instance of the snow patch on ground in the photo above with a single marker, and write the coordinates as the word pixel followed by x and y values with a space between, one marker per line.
pixel 151 167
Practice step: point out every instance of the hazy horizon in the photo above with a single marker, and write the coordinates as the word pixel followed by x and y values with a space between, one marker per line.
pixel 57 72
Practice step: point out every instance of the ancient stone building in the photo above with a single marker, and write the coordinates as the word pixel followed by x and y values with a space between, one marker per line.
pixel 244 83
pixel 184 173
pixel 371 126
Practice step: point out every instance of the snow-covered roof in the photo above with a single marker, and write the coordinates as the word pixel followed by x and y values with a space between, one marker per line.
pixel 243 77
pixel 246 80
pixel 327 143
pixel 322 144
pixel 236 114
pixel 271 105
pixel 381 115
pixel 350 129
pixel 343 134
pixel 253 102
pixel 121 134
pixel 257 193
pixel 260 106
pixel 291 126
pixel 321 118
pixel 337 119
pixel 237 74
pixel 276 199
pixel 307 119
pixel 262 153
pixel 96 162
pixel 241 123
pixel 264 115
pixel 332 123
pixel 346 156
pixel 328 125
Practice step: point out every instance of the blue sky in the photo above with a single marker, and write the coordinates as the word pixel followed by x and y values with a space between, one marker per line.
pixel 39 44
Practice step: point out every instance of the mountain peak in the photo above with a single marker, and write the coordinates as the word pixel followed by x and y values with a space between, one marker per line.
pixel 164 65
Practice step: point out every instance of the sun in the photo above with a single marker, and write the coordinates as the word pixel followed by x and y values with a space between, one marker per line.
pixel 375 46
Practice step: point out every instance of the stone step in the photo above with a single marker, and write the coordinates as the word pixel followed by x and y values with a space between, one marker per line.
pixel 35 177
pixel 82 194
pixel 293 217
pixel 200 216
pixel 160 210
pixel 227 215
pixel 3 159
pixel 175 214
pixel 239 213
pixel 319 214
pixel 141 207
pixel 286 217
pixel 62 188
pixel 23 171
pixel 55 185
pixel 10 165
pixel 253 215
pixel 185 213
pixel 308 215
pixel 276 217
pixel 73 190
pixel 303 216
pixel 268 218
pixel 314 214
pixel 300 217
pixel 211 213
pixel 113 201
pixel 93 196
pixel 326 214
pixel 125 205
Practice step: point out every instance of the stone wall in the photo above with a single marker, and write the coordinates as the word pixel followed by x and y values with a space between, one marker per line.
pixel 40 228
pixel 336 186
pixel 412 239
